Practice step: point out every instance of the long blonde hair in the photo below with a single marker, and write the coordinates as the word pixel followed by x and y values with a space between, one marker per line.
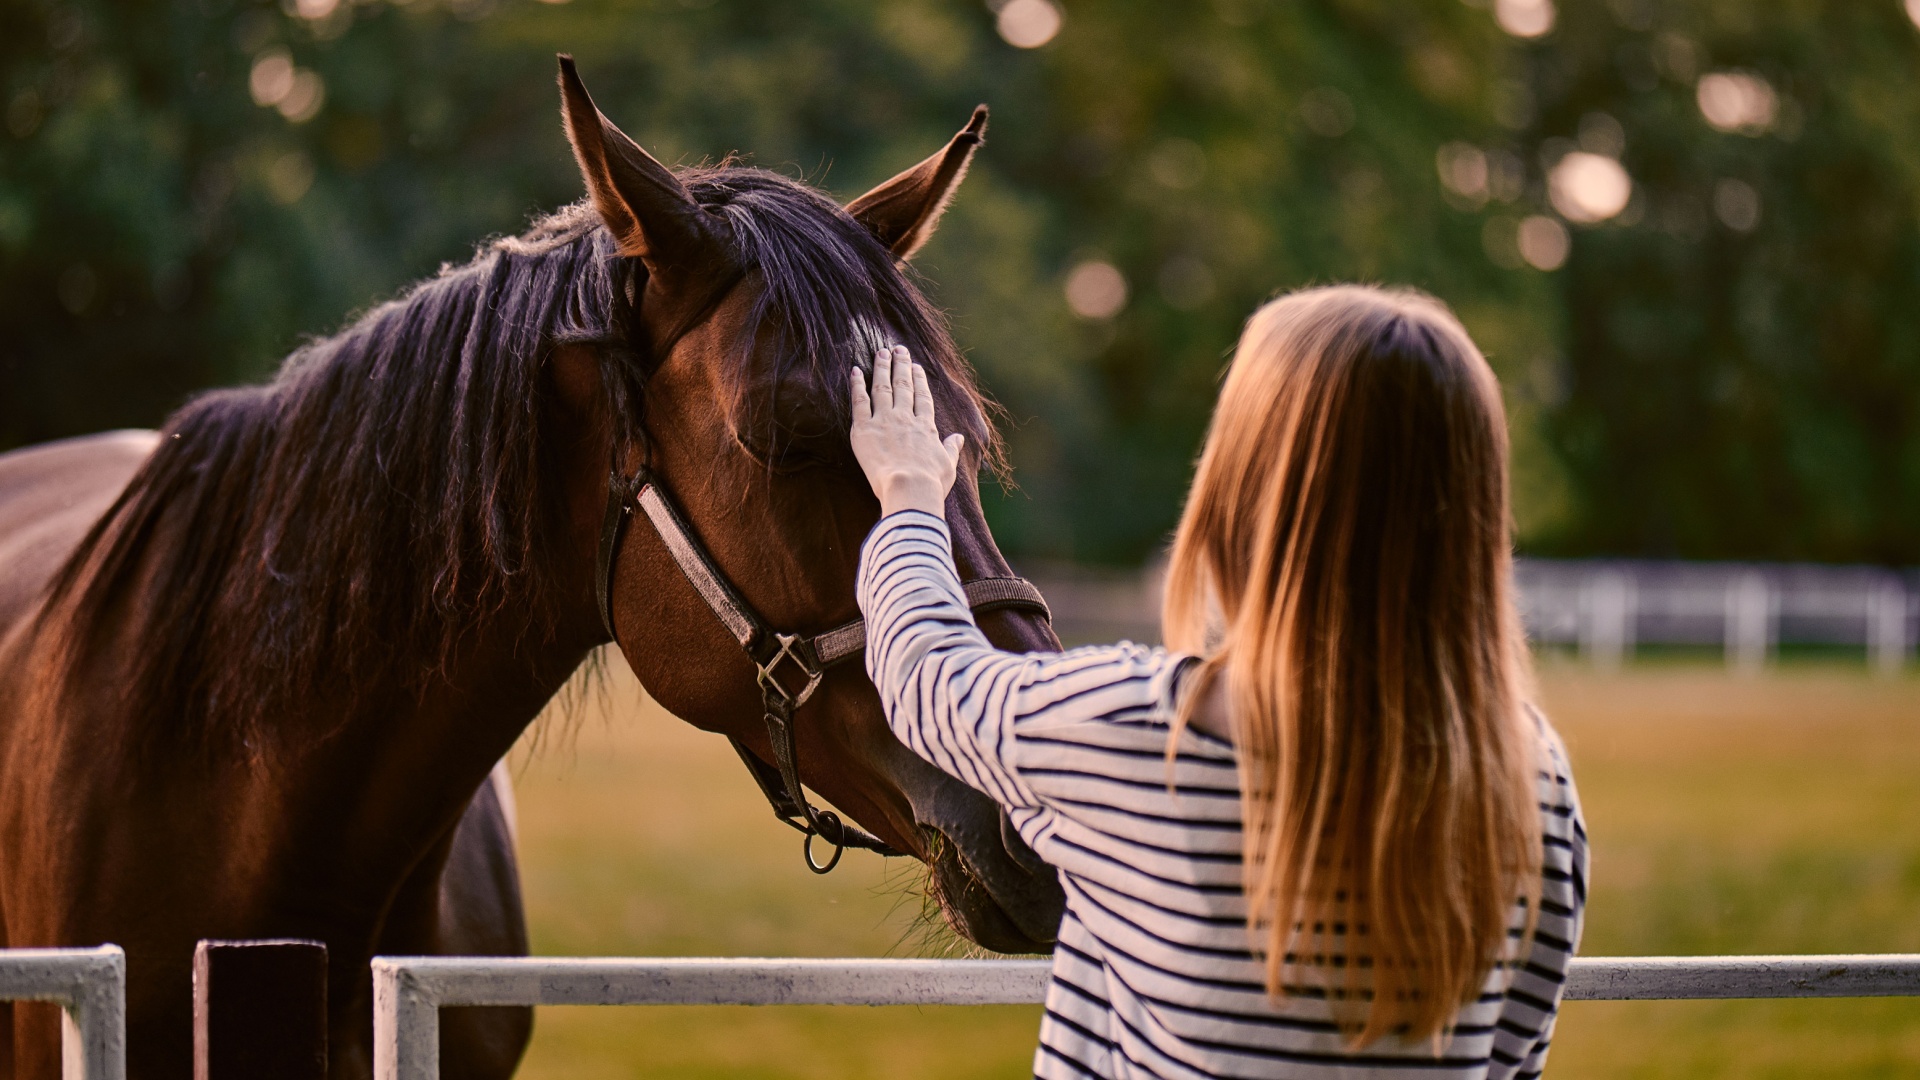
pixel 1344 563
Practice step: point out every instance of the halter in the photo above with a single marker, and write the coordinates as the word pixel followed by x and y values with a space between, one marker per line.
pixel 781 661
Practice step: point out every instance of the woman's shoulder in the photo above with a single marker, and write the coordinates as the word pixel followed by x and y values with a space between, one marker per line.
pixel 1125 685
pixel 1559 798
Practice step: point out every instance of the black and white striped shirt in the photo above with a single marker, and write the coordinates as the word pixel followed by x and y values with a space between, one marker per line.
pixel 1153 975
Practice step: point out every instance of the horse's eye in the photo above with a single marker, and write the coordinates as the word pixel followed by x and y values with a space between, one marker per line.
pixel 786 451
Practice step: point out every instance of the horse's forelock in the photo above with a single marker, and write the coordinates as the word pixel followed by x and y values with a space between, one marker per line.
pixel 831 292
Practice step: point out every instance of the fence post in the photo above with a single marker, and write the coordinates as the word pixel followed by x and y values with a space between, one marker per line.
pixel 259 1010
pixel 406 1026
pixel 1607 604
pixel 90 986
pixel 1750 622
pixel 1887 627
pixel 93 1022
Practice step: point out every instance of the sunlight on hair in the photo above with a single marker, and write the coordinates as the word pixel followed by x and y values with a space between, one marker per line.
pixel 1028 24
pixel 1543 242
pixel 1737 101
pixel 1589 188
pixel 1346 411
pixel 1524 18
pixel 1096 290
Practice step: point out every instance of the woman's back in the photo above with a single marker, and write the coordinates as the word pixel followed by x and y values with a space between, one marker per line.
pixel 1154 974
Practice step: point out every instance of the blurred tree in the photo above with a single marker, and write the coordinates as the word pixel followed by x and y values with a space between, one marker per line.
pixel 1742 362
pixel 1723 367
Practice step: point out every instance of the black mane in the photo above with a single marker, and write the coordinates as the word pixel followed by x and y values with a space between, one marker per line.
pixel 348 524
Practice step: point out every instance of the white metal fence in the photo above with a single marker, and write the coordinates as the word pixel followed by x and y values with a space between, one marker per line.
pixel 408 992
pixel 1605 608
pixel 90 986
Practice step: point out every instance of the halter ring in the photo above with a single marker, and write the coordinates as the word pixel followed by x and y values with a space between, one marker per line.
pixel 839 842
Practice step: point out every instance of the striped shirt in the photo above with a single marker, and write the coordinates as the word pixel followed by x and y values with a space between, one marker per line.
pixel 1153 975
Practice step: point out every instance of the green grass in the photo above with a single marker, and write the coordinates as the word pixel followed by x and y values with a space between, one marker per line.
pixel 1774 814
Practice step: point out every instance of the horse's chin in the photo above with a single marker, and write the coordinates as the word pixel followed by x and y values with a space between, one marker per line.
pixel 1019 912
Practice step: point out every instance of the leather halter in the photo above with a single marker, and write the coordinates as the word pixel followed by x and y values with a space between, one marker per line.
pixel 781 661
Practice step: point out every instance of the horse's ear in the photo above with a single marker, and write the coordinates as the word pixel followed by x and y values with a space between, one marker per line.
pixel 642 203
pixel 904 211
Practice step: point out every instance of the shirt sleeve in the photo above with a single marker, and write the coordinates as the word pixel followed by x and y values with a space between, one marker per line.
pixel 950 695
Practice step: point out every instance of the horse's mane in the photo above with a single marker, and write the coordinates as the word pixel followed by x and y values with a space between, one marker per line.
pixel 347 525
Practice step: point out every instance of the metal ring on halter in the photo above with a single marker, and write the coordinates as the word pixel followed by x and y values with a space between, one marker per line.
pixel 839 843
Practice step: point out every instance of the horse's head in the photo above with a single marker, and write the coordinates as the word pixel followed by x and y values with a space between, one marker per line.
pixel 752 295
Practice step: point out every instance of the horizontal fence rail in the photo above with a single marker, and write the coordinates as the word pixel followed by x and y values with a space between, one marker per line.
pixel 408 992
pixel 90 986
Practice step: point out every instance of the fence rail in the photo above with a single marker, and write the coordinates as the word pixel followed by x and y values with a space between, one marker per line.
pixel 90 986
pixel 408 992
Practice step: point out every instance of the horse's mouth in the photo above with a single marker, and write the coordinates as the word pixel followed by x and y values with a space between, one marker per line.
pixel 1018 913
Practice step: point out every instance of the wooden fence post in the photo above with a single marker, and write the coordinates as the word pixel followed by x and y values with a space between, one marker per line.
pixel 260 1010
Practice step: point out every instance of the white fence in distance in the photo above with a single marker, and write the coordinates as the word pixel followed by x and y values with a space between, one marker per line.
pixel 90 986
pixel 1605 608
pixel 408 992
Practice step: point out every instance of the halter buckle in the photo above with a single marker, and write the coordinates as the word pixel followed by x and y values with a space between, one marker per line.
pixel 792 648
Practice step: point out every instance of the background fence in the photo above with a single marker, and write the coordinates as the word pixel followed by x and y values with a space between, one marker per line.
pixel 1606 609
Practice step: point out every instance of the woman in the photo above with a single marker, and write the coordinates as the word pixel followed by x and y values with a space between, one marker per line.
pixel 1322 834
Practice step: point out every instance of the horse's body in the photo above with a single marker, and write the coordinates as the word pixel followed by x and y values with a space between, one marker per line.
pixel 156 859
pixel 255 671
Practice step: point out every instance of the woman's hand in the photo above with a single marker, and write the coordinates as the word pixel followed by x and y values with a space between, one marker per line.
pixel 895 440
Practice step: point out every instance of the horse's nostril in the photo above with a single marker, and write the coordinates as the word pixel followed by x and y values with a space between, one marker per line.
pixel 1018 850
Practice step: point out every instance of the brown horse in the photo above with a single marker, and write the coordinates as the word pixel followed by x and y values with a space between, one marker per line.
pixel 255 670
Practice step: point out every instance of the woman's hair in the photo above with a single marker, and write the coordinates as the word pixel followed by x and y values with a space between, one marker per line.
pixel 1344 563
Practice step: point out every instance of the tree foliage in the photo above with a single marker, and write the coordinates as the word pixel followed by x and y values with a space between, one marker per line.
pixel 1729 367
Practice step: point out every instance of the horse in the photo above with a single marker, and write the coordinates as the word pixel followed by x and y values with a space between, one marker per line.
pixel 258 669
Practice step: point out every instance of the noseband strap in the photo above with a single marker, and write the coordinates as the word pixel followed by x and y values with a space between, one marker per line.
pixel 788 667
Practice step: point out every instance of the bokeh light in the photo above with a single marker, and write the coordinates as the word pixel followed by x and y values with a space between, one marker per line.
pixel 1327 111
pixel 276 83
pixel 271 79
pixel 1589 188
pixel 1913 11
pixel 1737 204
pixel 1178 163
pixel 304 98
pixel 1543 242
pixel 1602 134
pixel 1096 289
pixel 1524 18
pixel 1464 169
pixel 289 177
pixel 1028 24
pixel 1737 101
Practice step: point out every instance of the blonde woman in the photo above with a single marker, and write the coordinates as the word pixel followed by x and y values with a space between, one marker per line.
pixel 1323 833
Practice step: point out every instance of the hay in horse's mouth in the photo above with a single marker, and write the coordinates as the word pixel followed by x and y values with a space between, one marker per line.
pixel 944 892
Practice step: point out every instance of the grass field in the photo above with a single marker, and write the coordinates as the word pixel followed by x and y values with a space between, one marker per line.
pixel 1774 814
